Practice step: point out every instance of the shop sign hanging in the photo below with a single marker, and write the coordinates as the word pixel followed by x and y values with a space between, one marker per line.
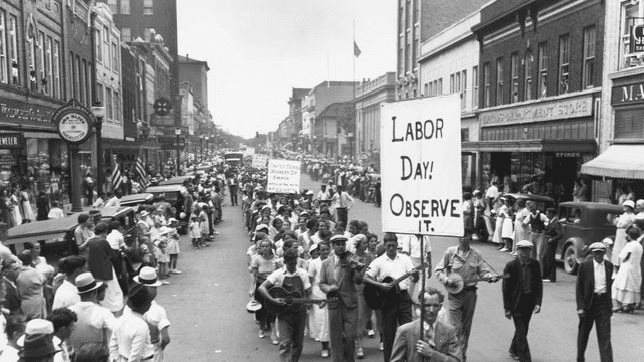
pixel 10 140
pixel 74 122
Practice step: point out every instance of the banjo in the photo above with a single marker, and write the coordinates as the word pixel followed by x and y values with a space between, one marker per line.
pixel 457 283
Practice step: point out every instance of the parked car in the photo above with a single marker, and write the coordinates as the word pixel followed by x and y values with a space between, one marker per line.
pixel 136 200
pixel 172 194
pixel 542 202
pixel 177 180
pixel 584 223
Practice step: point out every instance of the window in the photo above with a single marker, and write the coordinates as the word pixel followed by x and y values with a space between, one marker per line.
pixel 99 46
pixel 49 57
pixel 4 76
pixel 543 70
pixel 629 14
pixel 407 58
pixel 56 70
pixel 475 87
pixel 426 89
pixel 115 58
pixel 486 84
pixel 126 34
pixel 514 68
pixel 99 93
pixel 108 103
pixel 106 46
pixel 451 84
pixel 499 81
pixel 125 7
pixel 148 5
pixel 440 86
pixel 41 62
pixel 527 92
pixel 31 58
pixel 589 57
pixel 463 88
pixel 401 20
pixel 113 6
pixel 13 50
pixel 564 63
pixel 147 34
pixel 117 107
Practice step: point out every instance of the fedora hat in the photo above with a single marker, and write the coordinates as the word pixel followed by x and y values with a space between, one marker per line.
pixel 147 276
pixel 86 283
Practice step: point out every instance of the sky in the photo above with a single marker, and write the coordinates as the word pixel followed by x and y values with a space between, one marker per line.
pixel 257 50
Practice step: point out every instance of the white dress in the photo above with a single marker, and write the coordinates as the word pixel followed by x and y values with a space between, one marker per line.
pixel 498 231
pixel 629 277
pixel 508 228
pixel 623 222
pixel 27 210
pixel 318 317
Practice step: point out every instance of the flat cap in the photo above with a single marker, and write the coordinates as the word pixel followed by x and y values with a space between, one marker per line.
pixel 597 246
pixel 525 244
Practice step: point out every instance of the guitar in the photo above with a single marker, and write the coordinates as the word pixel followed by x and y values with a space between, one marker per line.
pixel 292 301
pixel 459 284
pixel 378 298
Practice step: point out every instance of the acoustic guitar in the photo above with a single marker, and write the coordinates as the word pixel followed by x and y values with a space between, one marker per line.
pixel 293 301
pixel 458 284
pixel 378 298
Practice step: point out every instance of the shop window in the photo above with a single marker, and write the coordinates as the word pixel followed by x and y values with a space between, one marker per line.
pixel 475 87
pixel 564 64
pixel 486 84
pixel 589 57
pixel 527 92
pixel 499 81
pixel 148 6
pixel 125 7
pixel 543 70
pixel 13 50
pixel 514 68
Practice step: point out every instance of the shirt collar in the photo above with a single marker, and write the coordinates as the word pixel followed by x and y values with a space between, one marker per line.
pixel 598 265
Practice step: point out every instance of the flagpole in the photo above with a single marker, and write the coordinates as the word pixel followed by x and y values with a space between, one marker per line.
pixel 354 60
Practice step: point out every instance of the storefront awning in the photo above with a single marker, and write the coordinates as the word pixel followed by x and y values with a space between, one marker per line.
pixel 619 161
pixel 533 145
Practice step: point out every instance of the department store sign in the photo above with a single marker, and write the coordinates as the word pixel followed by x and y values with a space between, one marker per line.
pixel 539 112
pixel 22 111
pixel 627 94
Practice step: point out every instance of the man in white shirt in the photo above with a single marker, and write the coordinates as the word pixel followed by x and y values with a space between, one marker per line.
pixel 393 265
pixel 410 245
pixel 342 203
pixel 492 193
pixel 115 238
pixel 55 212
pixel 115 200
pixel 594 306
pixel 95 323
pixel 156 316
pixel 130 339
pixel 67 294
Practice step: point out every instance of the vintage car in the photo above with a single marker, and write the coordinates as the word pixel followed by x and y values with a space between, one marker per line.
pixel 177 180
pixel 125 216
pixel 171 193
pixel 543 202
pixel 56 237
pixel 582 224
pixel 137 200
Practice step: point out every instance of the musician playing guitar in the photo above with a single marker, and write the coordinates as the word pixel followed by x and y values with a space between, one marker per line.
pixel 339 278
pixel 291 323
pixel 468 263
pixel 394 265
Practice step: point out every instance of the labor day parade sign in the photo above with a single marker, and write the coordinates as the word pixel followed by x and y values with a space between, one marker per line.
pixel 421 166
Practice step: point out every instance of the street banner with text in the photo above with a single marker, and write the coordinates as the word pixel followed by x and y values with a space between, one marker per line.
pixel 283 176
pixel 259 160
pixel 420 161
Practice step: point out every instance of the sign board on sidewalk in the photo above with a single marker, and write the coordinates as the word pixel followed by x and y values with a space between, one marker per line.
pixel 283 176
pixel 259 160
pixel 420 162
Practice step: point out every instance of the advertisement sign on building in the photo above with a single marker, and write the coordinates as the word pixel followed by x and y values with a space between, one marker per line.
pixel 420 163
pixel 636 39
pixel 283 177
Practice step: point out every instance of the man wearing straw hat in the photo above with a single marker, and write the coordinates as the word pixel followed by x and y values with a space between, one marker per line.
pixel 156 316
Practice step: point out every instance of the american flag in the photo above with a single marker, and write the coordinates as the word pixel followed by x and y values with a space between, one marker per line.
pixel 117 179
pixel 140 171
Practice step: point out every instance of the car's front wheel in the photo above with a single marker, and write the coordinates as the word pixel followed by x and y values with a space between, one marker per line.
pixel 570 259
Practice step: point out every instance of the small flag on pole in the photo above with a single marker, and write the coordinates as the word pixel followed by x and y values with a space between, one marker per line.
pixel 140 171
pixel 356 49
pixel 117 179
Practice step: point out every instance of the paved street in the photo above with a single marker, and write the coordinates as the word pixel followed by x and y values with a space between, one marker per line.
pixel 207 308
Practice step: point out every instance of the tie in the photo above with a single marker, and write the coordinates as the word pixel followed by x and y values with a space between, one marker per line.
pixel 429 334
pixel 338 269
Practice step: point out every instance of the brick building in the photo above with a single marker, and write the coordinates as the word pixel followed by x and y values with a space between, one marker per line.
pixel 540 76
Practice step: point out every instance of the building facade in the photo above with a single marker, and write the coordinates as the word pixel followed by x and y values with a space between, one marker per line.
pixel 371 94
pixel 332 130
pixel 449 64
pixel 539 92
pixel 195 72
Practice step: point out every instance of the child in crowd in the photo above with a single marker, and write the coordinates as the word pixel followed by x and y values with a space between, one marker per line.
pixel 163 258
pixel 195 232
pixel 173 246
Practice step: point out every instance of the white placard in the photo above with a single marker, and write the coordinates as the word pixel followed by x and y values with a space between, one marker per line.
pixel 421 166
pixel 259 160
pixel 283 176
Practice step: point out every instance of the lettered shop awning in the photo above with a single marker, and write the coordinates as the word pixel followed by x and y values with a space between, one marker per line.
pixel 619 161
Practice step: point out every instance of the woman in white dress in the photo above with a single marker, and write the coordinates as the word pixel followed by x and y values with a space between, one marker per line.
pixel 318 317
pixel 25 205
pixel 501 212
pixel 15 208
pixel 623 222
pixel 629 276
pixel 521 231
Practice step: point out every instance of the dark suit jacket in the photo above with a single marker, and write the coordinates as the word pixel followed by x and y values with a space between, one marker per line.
pixel 554 232
pixel 513 285
pixel 586 283
pixel 448 348
pixel 101 257
pixel 347 289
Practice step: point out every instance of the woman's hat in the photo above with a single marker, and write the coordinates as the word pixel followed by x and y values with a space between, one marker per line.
pixel 147 276
pixel 86 283
pixel 629 203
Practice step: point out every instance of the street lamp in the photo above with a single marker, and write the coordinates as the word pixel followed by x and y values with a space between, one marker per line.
pixel 99 113
pixel 177 133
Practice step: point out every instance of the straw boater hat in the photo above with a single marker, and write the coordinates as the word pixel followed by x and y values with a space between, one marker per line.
pixel 253 306
pixel 147 276
pixel 86 283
